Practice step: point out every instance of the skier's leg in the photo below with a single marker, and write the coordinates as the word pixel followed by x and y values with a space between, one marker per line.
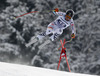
pixel 48 32
pixel 41 36
pixel 53 35
pixel 52 38
pixel 56 34
pixel 45 43
pixel 33 40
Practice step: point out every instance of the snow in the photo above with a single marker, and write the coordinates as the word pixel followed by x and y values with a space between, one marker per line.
pixel 83 52
pixel 8 69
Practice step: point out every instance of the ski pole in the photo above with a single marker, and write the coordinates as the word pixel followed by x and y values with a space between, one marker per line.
pixel 26 14
pixel 30 13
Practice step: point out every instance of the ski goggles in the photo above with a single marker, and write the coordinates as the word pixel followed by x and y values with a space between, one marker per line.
pixel 68 16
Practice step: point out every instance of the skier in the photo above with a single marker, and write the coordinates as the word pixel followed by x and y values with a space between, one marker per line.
pixel 55 28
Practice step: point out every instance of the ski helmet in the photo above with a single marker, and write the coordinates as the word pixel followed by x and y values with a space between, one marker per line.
pixel 70 13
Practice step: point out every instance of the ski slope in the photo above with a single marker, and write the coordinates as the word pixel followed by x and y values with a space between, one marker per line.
pixel 8 69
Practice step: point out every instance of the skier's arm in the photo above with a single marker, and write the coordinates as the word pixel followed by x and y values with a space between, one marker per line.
pixel 56 12
pixel 73 30
pixel 60 13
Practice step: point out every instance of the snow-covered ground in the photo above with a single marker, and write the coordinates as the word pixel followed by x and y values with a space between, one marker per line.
pixel 83 52
pixel 8 69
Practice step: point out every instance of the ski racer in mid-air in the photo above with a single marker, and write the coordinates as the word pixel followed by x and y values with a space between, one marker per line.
pixel 55 28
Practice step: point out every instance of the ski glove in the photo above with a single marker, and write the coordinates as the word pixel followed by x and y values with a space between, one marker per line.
pixel 73 35
pixel 55 10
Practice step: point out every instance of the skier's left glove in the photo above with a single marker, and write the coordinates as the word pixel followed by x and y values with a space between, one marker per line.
pixel 73 35
pixel 55 10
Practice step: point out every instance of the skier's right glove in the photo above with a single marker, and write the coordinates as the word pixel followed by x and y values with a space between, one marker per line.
pixel 55 10
pixel 73 35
